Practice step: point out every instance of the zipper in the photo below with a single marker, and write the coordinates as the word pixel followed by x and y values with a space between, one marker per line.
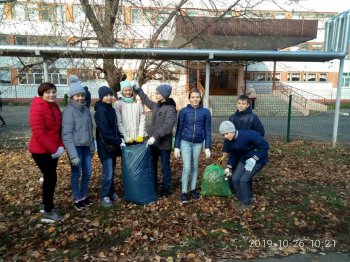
pixel 194 125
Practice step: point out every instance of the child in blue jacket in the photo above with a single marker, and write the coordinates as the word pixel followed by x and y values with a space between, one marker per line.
pixel 193 127
pixel 248 154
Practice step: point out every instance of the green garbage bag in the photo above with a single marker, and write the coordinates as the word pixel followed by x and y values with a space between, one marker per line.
pixel 214 183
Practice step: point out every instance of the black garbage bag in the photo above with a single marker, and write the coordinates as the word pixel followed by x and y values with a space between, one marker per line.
pixel 138 175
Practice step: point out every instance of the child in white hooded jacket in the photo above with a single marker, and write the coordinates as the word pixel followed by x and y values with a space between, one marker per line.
pixel 131 119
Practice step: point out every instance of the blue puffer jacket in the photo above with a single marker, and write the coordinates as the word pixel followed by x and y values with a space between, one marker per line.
pixel 247 120
pixel 193 125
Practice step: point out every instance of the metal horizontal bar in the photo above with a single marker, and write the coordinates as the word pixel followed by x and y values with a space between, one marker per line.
pixel 168 53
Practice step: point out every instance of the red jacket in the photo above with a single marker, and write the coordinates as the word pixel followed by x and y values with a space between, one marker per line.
pixel 45 121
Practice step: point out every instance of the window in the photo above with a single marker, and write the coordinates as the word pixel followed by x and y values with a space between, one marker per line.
pixel 346 79
pixel 293 77
pixel 47 13
pixel 36 76
pixel 323 77
pixel 3 40
pixel 260 77
pixel 32 12
pixel 309 77
pixel 18 12
pixel 78 12
pixel 5 76
pixel 21 40
pixel 61 13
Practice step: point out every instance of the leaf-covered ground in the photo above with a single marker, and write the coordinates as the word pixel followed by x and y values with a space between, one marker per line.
pixel 302 205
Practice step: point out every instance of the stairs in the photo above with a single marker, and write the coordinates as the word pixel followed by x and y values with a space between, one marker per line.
pixel 265 105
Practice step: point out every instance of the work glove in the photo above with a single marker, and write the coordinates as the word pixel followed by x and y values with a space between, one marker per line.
pixel 228 172
pixel 75 161
pixel 58 153
pixel 150 141
pixel 129 140
pixel 122 144
pixel 249 164
pixel 177 153
pixel 135 86
pixel 207 153
pixel 139 139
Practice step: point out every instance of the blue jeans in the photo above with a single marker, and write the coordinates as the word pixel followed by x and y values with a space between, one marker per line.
pixel 108 174
pixel 83 170
pixel 190 158
pixel 242 180
pixel 166 170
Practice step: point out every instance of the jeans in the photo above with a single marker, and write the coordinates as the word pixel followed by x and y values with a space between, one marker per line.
pixel 108 174
pixel 242 180
pixel 190 158
pixel 48 167
pixel 80 188
pixel 166 170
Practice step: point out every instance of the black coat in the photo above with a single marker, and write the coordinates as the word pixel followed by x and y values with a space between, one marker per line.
pixel 106 126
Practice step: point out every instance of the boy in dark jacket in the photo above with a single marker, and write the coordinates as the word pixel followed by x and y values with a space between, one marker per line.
pixel 248 154
pixel 163 121
pixel 107 134
pixel 244 118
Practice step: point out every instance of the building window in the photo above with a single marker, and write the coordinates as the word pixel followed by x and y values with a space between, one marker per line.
pixel 47 13
pixel 346 79
pixel 19 12
pixel 261 77
pixel 309 77
pixel 323 77
pixel 3 40
pixel 36 76
pixel 21 40
pixel 32 12
pixel 61 13
pixel 293 77
pixel 5 76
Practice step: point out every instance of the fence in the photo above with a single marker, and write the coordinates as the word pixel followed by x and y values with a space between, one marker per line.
pixel 272 110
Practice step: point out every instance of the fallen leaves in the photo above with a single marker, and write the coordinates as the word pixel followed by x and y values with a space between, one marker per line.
pixel 295 199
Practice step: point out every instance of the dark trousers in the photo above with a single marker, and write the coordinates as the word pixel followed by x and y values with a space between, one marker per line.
pixel 166 170
pixel 2 120
pixel 47 166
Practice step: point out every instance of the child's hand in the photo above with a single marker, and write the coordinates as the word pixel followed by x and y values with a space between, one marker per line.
pixel 249 164
pixel 228 173
pixel 207 153
pixel 150 141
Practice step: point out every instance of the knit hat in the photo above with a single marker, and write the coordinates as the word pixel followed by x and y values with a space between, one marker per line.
pixel 164 90
pixel 227 127
pixel 74 86
pixel 124 84
pixel 103 91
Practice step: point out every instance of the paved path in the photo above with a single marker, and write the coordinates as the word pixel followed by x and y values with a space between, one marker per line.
pixel 317 127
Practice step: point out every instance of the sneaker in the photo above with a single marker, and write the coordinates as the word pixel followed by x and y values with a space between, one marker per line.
pixel 79 205
pixel 184 198
pixel 114 197
pixel 243 207
pixel 106 202
pixel 165 193
pixel 51 217
pixel 194 194
pixel 87 202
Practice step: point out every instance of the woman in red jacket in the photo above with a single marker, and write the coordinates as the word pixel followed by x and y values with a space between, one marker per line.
pixel 46 145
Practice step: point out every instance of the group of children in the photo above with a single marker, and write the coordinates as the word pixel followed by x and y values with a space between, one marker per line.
pixel 123 124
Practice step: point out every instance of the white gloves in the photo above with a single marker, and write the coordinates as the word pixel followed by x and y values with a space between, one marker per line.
pixel 249 164
pixel 177 153
pixel 122 144
pixel 58 153
pixel 150 141
pixel 207 153
pixel 75 161
pixel 227 173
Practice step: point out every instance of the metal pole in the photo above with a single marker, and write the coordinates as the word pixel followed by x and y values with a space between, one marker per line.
pixel 337 102
pixel 46 71
pixel 207 79
pixel 289 117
